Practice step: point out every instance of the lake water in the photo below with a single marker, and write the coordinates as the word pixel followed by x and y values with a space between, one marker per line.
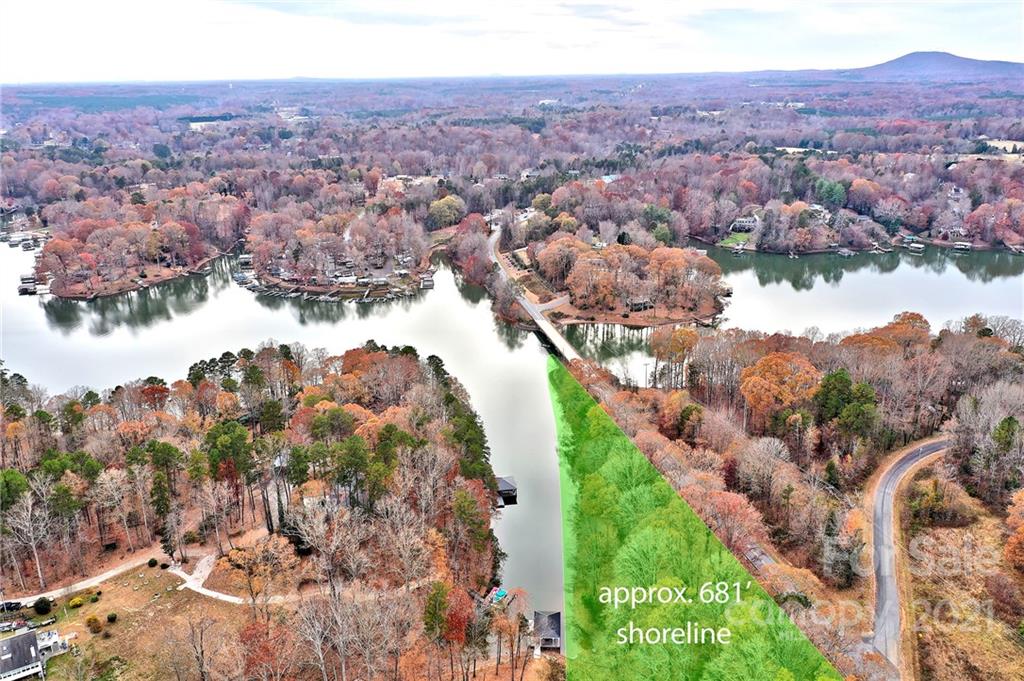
pixel 162 330
pixel 775 293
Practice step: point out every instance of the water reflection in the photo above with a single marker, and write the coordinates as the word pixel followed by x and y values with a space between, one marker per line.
pixel 161 330
pixel 138 309
pixel 804 272
pixel 834 294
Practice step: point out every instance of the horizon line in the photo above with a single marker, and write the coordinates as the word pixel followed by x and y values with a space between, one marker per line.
pixel 370 79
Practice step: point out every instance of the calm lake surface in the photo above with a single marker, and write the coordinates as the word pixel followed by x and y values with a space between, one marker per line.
pixel 164 329
pixel 776 293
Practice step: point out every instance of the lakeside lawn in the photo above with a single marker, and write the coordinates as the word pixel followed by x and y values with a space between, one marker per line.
pixel 734 239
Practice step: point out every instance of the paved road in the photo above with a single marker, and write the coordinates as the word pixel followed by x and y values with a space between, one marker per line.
pixel 535 311
pixel 887 594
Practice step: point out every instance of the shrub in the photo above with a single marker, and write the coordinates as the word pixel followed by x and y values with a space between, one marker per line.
pixel 76 602
pixel 94 598
pixel 164 566
pixel 111 617
pixel 554 670
pixel 42 606
pixel 191 537
pixel 1007 599
pixel 94 624
pixel 152 562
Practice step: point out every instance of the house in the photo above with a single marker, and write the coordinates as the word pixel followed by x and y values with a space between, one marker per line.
pixel 547 629
pixel 957 233
pixel 640 304
pixel 747 224
pixel 819 212
pixel 25 654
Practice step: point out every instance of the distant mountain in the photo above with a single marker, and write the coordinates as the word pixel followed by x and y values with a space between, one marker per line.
pixel 937 66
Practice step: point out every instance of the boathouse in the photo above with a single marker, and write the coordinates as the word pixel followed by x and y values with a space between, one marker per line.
pixel 508 493
pixel 547 629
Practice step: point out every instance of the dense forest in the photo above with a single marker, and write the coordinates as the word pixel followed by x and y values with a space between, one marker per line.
pixel 346 500
pixel 771 438
pixel 359 482
pixel 332 180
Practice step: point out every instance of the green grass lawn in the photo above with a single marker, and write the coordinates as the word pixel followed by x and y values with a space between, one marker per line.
pixel 735 239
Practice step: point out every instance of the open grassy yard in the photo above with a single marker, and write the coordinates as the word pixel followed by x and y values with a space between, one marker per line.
pixel 148 606
pixel 735 239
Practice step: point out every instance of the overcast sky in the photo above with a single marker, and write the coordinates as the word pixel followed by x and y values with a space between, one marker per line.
pixel 97 40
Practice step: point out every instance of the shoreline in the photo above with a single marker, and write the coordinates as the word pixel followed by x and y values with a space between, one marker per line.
pixel 894 245
pixel 117 288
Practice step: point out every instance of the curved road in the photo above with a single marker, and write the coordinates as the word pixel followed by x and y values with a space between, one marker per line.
pixel 887 593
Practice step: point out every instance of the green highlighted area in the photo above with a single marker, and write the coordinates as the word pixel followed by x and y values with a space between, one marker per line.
pixel 650 592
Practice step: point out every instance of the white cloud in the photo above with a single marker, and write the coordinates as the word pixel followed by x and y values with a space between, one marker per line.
pixel 74 41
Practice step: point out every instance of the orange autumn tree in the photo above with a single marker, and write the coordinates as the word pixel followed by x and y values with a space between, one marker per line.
pixel 1014 549
pixel 672 346
pixel 778 381
pixel 1015 512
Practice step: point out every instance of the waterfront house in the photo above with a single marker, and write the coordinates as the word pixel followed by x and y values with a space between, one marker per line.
pixel 640 304
pixel 958 233
pixel 747 224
